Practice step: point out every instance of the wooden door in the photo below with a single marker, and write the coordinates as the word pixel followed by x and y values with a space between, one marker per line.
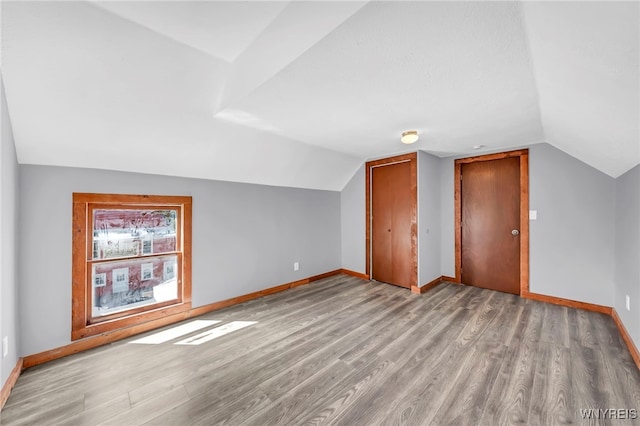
pixel 490 224
pixel 392 224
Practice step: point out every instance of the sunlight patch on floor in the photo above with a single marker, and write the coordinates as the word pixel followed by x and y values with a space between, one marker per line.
pixel 175 332
pixel 208 335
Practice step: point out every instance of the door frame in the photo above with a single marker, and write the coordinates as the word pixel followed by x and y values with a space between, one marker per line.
pixel 523 155
pixel 412 158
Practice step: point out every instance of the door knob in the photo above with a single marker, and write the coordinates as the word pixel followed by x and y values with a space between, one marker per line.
pixel 515 232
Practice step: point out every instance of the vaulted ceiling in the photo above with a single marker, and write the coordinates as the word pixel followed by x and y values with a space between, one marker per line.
pixel 300 93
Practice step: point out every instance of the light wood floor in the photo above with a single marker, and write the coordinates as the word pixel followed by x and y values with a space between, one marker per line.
pixel 346 351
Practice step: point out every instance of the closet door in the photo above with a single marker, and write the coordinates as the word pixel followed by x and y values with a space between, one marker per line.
pixel 392 223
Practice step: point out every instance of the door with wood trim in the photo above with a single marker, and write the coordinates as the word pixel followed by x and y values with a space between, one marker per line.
pixel 392 221
pixel 491 223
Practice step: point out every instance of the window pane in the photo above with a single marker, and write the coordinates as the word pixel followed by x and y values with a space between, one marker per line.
pixel 127 284
pixel 119 233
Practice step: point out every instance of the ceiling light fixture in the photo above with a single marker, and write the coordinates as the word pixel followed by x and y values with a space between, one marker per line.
pixel 409 137
pixel 478 146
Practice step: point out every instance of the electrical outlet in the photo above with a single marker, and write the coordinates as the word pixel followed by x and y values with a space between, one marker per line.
pixel 5 346
pixel 296 266
pixel 628 302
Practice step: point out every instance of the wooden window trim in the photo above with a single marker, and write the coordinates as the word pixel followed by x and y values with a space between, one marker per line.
pixel 81 325
pixel 523 154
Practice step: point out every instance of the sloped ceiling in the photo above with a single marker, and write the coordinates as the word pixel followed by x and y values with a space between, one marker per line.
pixel 301 93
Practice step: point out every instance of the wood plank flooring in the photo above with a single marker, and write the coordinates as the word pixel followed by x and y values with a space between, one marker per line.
pixel 349 352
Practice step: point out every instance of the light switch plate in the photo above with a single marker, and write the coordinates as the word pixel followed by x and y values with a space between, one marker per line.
pixel 533 214
pixel 5 346
pixel 628 303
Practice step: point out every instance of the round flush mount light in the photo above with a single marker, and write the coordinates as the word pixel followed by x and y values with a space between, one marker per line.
pixel 478 146
pixel 409 137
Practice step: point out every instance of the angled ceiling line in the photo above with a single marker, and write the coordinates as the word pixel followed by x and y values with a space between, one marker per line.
pixel 242 84
pixel 530 58
pixel 97 5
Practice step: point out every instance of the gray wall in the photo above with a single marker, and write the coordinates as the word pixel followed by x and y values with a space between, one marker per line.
pixel 429 211
pixel 245 238
pixel 572 241
pixel 352 214
pixel 627 251
pixel 9 243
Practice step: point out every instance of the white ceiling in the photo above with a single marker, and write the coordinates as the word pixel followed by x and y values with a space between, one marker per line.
pixel 301 93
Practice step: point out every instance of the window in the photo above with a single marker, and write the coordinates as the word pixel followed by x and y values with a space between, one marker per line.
pixel 131 260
